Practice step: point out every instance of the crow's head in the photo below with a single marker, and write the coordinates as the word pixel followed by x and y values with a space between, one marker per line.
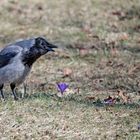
pixel 43 45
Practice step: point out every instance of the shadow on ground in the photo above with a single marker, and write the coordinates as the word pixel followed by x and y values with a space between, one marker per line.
pixel 77 99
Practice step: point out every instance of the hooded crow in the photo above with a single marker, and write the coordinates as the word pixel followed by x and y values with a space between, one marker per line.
pixel 16 61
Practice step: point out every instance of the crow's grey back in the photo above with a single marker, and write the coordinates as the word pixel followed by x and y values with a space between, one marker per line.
pixel 18 46
pixel 25 43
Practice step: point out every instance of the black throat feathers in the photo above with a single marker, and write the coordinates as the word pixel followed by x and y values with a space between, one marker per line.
pixel 30 57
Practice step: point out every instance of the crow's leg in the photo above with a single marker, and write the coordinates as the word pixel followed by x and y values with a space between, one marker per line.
pixel 1 91
pixel 12 85
pixel 25 89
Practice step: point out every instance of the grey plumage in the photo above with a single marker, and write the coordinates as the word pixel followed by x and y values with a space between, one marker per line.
pixel 16 61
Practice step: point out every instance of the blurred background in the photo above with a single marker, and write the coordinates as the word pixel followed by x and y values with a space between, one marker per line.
pixel 98 40
pixel 98 54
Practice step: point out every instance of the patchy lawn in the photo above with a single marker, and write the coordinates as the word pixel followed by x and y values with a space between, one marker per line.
pixel 98 56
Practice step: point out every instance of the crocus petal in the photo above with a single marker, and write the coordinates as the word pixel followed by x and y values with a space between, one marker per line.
pixel 62 87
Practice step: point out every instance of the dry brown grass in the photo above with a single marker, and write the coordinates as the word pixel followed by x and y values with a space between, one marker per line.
pixel 99 43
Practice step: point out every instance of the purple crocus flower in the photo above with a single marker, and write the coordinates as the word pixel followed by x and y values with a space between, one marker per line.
pixel 62 87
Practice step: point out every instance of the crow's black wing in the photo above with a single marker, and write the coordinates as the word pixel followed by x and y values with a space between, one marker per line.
pixel 5 58
pixel 11 50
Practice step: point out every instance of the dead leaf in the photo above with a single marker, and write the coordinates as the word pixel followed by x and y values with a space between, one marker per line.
pixel 123 36
pixel 70 91
pixel 67 72
pixel 87 29
pixel 138 40
pixel 117 13
pixel 67 93
pixel 137 28
pixel 109 63
pixel 116 37
pixel 114 51
pixel 123 96
pixel 83 52
pixel 90 98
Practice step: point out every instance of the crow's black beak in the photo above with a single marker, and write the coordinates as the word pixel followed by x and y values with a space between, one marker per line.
pixel 50 47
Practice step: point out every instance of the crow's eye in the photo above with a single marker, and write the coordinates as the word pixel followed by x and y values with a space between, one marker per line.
pixel 42 44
